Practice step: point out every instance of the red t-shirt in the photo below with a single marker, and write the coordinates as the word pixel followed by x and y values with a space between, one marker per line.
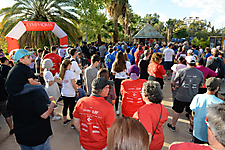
pixel 156 70
pixel 131 96
pixel 188 145
pixel 149 116
pixel 56 60
pixel 96 115
pixel 137 56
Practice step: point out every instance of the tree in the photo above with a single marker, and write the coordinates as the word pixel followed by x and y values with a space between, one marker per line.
pixel 40 10
pixel 152 19
pixel 116 8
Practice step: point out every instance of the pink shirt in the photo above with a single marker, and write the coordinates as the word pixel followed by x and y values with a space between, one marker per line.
pixel 206 72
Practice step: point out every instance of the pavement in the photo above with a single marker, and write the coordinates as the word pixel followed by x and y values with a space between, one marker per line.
pixel 65 138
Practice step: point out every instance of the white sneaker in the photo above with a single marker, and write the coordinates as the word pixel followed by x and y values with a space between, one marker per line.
pixel 117 112
pixel 55 118
pixel 56 114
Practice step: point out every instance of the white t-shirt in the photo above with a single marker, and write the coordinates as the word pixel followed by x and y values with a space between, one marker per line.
pixel 67 87
pixel 168 55
pixel 128 65
pixel 76 70
pixel 122 74
pixel 47 75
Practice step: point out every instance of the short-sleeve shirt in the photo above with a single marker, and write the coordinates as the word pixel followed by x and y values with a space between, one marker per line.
pixel 168 55
pixel 131 96
pixel 143 69
pixel 156 70
pixel 130 58
pixel 109 59
pixel 198 105
pixel 207 55
pixel 96 115
pixel 89 75
pixel 188 146
pixel 81 94
pixel 189 81
pixel 56 60
pixel 137 55
pixel 149 115
pixel 30 129
pixel 47 75
pixel 67 87
pixel 18 76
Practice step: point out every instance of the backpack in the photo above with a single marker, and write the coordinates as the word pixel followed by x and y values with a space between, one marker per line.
pixel 219 70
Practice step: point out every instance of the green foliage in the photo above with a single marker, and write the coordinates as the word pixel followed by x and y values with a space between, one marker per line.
pixel 201 42
pixel 152 19
pixel 182 33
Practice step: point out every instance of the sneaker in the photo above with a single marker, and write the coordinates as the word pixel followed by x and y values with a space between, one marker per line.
pixel 11 131
pixel 169 125
pixel 117 112
pixel 66 122
pixel 72 126
pixel 55 118
pixel 190 131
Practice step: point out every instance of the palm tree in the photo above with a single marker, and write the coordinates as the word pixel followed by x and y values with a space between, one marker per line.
pixel 116 8
pixel 40 10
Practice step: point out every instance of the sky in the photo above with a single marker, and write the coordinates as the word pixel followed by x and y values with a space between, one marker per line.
pixel 211 10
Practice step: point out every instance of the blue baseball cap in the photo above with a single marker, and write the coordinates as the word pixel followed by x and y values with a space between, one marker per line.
pixel 21 53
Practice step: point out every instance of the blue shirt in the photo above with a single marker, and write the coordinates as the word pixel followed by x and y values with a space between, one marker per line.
pixel 115 52
pixel 207 55
pixel 81 94
pixel 198 105
pixel 196 52
pixel 120 48
pixel 130 58
pixel 109 59
pixel 133 50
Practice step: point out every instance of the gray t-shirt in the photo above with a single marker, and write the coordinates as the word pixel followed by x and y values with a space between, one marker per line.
pixel 189 81
pixel 102 50
pixel 89 75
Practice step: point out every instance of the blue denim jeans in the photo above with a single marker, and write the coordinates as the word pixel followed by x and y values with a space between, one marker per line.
pixel 45 146
pixel 28 88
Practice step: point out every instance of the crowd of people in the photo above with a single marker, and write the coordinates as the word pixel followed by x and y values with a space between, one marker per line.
pixel 91 80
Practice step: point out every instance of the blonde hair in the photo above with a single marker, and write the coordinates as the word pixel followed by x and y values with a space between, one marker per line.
pixel 156 57
pixel 63 67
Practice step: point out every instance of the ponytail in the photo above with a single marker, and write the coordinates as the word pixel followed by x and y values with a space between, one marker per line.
pixel 63 67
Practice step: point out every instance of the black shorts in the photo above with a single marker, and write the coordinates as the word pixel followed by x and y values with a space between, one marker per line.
pixel 167 65
pixel 102 59
pixel 179 106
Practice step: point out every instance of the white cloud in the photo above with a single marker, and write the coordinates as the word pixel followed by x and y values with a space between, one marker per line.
pixel 210 10
pixel 132 2
pixel 163 17
pixel 151 1
pixel 140 14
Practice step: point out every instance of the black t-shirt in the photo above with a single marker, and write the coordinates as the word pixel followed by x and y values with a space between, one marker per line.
pixel 18 76
pixel 4 70
pixel 3 94
pixel 85 50
pixel 143 69
pixel 93 50
pixel 30 128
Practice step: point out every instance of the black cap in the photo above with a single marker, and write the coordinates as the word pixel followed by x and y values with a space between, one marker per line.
pixel 212 83
pixel 100 83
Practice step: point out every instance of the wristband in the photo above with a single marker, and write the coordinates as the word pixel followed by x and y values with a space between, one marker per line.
pixel 53 102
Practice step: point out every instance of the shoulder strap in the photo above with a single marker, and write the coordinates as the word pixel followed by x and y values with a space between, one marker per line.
pixel 158 122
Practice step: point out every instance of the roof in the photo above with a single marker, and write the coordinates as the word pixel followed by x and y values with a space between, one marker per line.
pixel 148 32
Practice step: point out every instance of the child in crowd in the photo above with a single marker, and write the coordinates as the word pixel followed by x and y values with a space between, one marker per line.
pixel 109 59
pixel 51 86
pixel 111 98
pixel 20 78
pixel 81 91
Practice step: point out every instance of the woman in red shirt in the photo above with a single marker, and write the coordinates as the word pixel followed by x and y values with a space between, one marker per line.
pixel 155 70
pixel 153 114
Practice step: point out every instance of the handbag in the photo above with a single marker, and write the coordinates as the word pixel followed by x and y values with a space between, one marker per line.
pixel 158 122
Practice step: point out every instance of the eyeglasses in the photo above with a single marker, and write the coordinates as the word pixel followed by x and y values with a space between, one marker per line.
pixel 206 121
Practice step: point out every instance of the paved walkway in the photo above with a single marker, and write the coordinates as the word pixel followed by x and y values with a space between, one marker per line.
pixel 65 138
